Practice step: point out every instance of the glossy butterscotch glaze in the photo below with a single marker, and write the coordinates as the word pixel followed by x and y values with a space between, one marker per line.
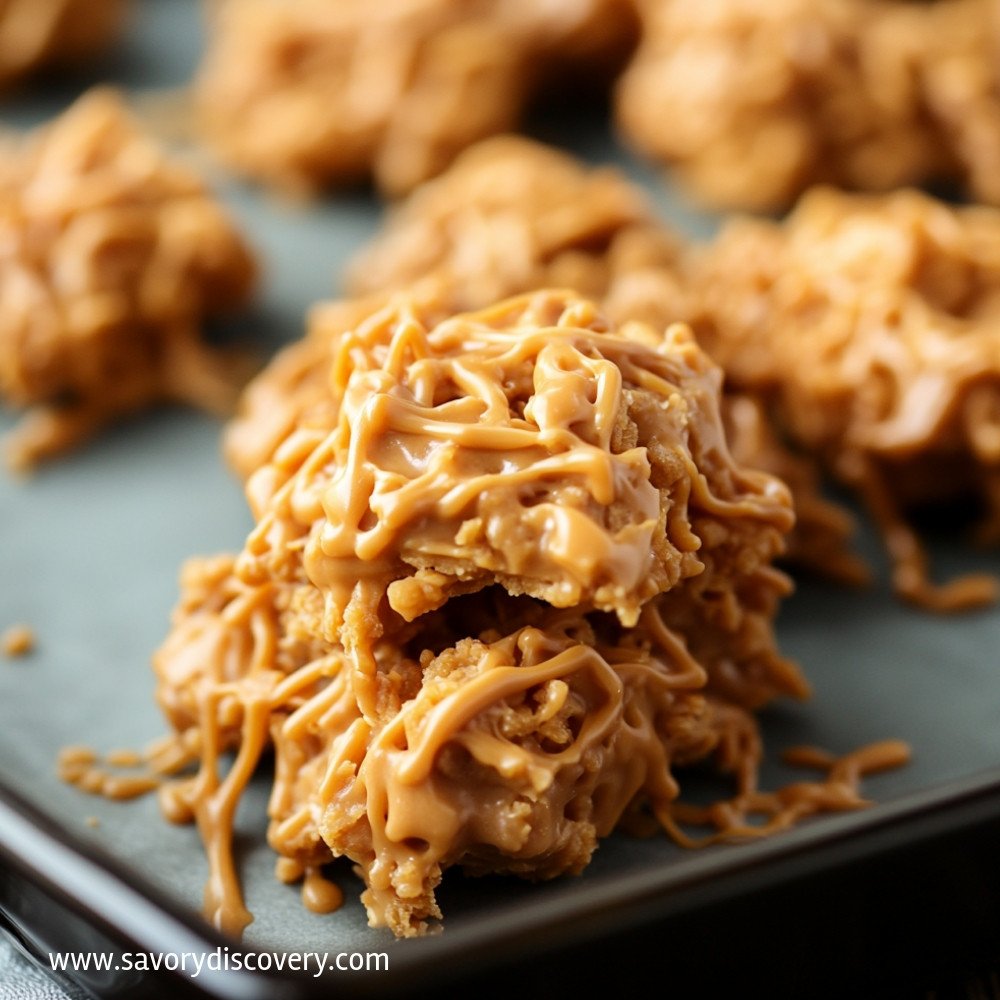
pixel 527 446
pixel 511 215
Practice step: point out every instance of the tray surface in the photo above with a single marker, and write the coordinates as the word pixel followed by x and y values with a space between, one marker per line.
pixel 90 549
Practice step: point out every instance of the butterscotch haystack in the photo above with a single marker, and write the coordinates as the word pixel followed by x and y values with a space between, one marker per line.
pixel 752 102
pixel 41 34
pixel 311 94
pixel 506 581
pixel 511 215
pixel 111 258
pixel 871 326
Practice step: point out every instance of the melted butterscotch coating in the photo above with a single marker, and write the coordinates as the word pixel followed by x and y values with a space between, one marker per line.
pixel 39 34
pixel 764 99
pixel 509 751
pixel 309 94
pixel 503 752
pixel 870 325
pixel 293 390
pixel 510 215
pixel 515 756
pixel 111 256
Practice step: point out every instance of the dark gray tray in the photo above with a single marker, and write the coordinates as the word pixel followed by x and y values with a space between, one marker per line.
pixel 89 553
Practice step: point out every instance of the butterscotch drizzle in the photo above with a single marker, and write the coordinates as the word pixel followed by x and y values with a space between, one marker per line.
pixel 753 813
pixel 574 226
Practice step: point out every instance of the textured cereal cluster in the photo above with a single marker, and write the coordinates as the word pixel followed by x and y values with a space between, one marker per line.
pixel 111 257
pixel 803 316
pixel 512 568
pixel 870 325
pixel 752 102
pixel 310 94
pixel 511 215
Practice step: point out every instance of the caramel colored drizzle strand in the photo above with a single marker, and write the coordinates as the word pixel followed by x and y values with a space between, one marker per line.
pixel 576 227
pixel 891 300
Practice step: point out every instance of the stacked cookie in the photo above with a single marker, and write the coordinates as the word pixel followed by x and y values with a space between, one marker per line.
pixel 506 582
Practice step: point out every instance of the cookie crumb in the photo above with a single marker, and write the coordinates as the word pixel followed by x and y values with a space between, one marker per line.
pixel 18 640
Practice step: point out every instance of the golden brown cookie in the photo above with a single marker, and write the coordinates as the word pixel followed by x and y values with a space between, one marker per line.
pixel 753 102
pixel 111 257
pixel 308 94
pixel 869 326
pixel 506 582
pixel 511 215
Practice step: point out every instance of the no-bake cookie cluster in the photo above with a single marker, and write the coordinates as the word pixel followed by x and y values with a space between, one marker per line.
pixel 506 581
pixel 518 496
pixel 111 258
